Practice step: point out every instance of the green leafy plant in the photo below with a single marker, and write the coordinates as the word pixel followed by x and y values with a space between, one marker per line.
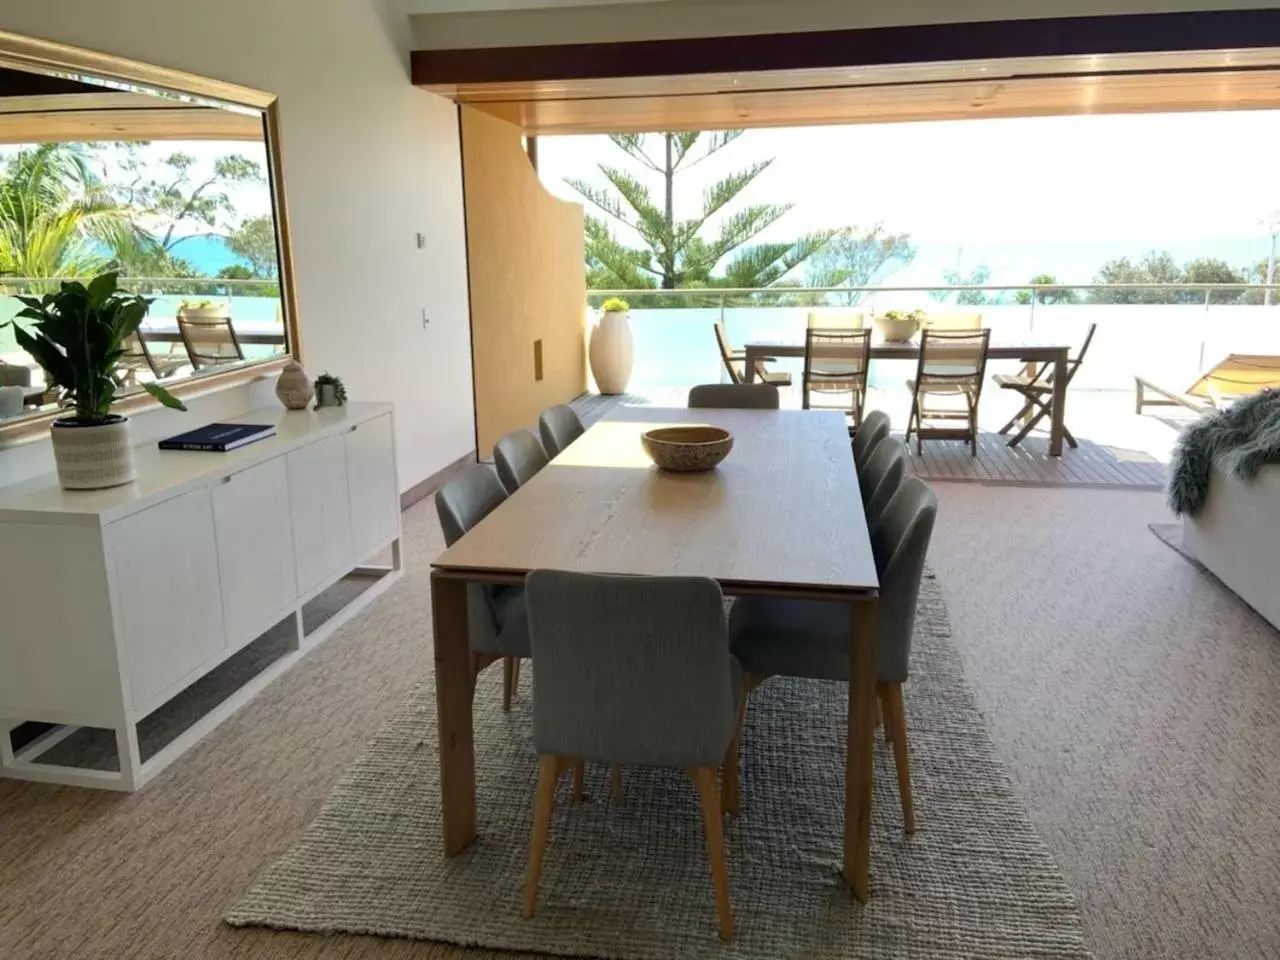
pixel 77 336
pixel 196 305
pixel 327 379
pixel 615 305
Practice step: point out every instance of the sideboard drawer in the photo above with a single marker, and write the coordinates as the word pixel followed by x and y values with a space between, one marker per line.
pixel 165 566
pixel 320 510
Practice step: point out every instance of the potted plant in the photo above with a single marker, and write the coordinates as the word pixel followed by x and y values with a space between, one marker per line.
pixel 899 325
pixel 77 336
pixel 611 351
pixel 330 391
pixel 204 309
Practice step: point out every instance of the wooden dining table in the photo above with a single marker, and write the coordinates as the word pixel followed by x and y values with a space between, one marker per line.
pixel 780 517
pixel 1029 353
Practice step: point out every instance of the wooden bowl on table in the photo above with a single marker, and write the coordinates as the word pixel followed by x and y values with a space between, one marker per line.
pixel 687 449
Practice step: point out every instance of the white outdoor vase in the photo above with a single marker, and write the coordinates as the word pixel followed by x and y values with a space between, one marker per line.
pixel 611 353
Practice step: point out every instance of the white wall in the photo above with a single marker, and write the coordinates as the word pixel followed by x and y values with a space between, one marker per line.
pixel 709 18
pixel 369 162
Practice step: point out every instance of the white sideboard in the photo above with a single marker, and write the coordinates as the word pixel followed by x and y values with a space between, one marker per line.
pixel 113 602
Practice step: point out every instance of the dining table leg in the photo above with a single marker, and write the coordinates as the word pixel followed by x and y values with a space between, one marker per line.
pixel 858 773
pixel 455 687
pixel 1059 413
pixel 749 366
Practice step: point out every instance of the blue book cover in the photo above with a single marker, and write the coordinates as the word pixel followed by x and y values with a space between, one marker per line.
pixel 219 437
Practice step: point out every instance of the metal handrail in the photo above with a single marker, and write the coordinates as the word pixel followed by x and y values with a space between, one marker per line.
pixel 957 288
pixel 215 281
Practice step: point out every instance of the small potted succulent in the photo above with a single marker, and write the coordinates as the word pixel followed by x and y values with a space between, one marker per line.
pixel 899 325
pixel 330 391
pixel 611 351
pixel 77 335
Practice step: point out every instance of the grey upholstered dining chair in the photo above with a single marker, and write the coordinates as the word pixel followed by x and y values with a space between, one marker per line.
pixel 517 457
pixel 743 396
pixel 496 621
pixel 881 477
pixel 632 671
pixel 875 427
pixel 559 426
pixel 808 638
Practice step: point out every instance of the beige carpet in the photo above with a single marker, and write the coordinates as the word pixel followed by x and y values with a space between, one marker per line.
pixel 630 881
pixel 1133 701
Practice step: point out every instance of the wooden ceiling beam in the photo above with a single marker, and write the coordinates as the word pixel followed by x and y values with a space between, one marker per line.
pixel 879 46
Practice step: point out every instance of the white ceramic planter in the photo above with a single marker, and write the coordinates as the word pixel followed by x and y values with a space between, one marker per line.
pixel 328 396
pixel 11 399
pixel 611 353
pixel 92 457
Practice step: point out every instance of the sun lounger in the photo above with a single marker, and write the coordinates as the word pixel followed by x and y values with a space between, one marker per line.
pixel 1239 375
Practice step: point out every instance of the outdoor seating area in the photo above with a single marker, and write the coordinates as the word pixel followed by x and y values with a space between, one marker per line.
pixel 157 351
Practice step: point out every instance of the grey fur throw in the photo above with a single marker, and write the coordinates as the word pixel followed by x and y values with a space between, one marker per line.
pixel 1242 439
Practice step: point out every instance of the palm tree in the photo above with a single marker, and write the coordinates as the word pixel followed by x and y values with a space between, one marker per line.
pixel 57 219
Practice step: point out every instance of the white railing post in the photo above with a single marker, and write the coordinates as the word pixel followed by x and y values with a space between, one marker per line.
pixel 1031 321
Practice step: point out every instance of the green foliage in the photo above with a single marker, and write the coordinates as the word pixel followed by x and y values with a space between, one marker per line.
pixel 615 305
pixel 77 335
pixel 255 240
pixel 918 316
pixel 57 218
pixel 685 252
pixel 180 193
pixel 1160 267
pixel 858 258
pixel 966 298
pixel 1047 292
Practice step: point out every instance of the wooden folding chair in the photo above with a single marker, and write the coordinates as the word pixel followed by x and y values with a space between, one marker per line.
pixel 835 364
pixel 1037 393
pixel 210 342
pixel 952 364
pixel 735 362
pixel 138 358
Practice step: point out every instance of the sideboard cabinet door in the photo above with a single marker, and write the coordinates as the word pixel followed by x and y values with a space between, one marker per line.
pixel 255 549
pixel 320 511
pixel 165 573
pixel 371 475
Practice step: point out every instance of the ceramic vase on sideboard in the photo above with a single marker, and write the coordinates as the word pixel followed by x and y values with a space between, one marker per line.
pixel 611 353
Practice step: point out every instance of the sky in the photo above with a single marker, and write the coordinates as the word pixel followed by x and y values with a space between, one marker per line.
pixel 1055 194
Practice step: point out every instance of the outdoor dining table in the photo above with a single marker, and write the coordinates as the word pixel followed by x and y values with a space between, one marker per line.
pixel 780 517
pixel 1030 353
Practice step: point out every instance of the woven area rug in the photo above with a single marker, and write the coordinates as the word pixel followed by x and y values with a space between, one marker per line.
pixel 631 882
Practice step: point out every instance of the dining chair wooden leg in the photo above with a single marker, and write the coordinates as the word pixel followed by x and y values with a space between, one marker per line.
pixel 615 775
pixel 895 721
pixel 508 681
pixel 704 778
pixel 515 676
pixel 549 770
pixel 579 774
pixel 731 791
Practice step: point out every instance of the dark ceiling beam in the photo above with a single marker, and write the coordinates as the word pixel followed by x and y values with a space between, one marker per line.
pixel 878 46
pixel 19 83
